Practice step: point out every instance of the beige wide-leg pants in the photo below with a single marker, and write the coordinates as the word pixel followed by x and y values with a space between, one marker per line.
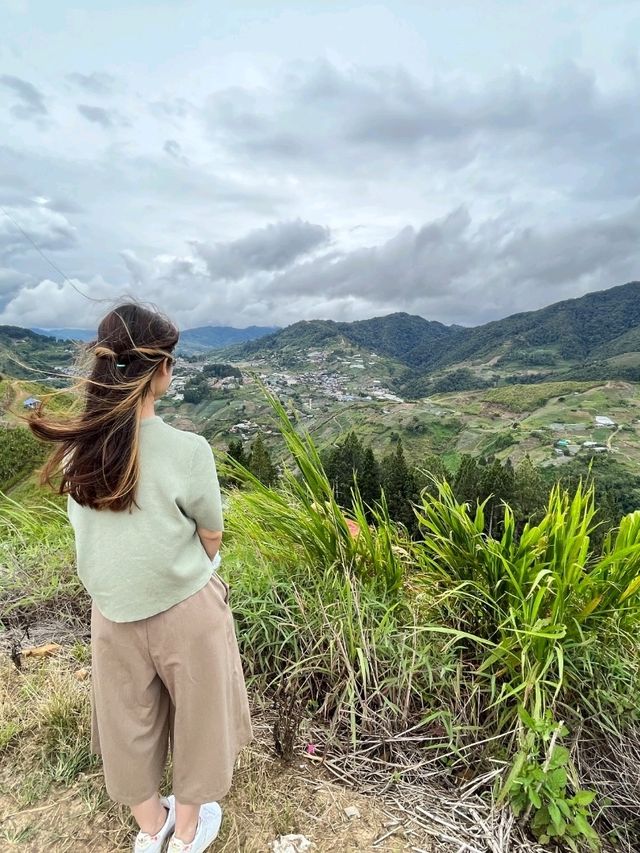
pixel 175 677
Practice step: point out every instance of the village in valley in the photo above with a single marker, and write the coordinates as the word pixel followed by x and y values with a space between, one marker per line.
pixel 334 391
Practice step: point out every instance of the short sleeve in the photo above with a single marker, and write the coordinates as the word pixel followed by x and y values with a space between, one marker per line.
pixel 205 501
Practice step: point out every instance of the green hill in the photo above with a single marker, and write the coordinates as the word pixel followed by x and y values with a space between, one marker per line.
pixel 573 330
pixel 399 336
pixel 588 333
pixel 28 355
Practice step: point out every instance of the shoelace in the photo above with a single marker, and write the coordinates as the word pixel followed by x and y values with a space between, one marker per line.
pixel 179 846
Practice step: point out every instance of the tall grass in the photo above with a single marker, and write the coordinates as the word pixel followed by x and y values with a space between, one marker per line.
pixel 523 641
pixel 350 655
pixel 36 555
pixel 302 520
pixel 542 600
pixel 455 650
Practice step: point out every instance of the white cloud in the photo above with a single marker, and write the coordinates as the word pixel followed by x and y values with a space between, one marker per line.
pixel 48 228
pixel 49 303
pixel 314 187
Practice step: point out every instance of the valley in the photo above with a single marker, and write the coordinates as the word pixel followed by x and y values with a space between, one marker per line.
pixel 338 388
pixel 530 384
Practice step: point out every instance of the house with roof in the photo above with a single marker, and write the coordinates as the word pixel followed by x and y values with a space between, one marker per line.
pixel 603 420
pixel 31 403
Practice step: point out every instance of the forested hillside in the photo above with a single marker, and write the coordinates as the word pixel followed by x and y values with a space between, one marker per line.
pixel 576 338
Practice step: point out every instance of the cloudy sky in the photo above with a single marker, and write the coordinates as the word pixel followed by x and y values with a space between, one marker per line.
pixel 265 162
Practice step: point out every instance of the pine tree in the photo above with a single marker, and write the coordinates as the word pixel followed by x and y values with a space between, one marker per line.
pixel 259 462
pixel 340 463
pixel 435 466
pixel 236 451
pixel 400 488
pixel 369 479
pixel 530 494
pixel 466 485
pixel 497 484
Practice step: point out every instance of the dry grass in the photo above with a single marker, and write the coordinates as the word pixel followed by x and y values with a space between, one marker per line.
pixel 52 795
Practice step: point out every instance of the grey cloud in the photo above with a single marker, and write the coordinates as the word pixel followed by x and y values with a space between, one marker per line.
pixel 523 182
pixel 47 228
pixel 560 128
pixel 544 259
pixel 50 303
pixel 96 83
pixel 197 188
pixel 11 282
pixel 174 150
pixel 31 101
pixel 17 192
pixel 405 266
pixel 139 271
pixel 165 270
pixel 268 249
pixel 172 108
pixel 98 115
pixel 456 270
pixel 64 204
pixel 13 193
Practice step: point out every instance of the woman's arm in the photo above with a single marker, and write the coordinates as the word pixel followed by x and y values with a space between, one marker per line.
pixel 210 540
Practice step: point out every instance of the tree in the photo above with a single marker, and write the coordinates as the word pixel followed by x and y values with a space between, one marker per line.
pixel 530 494
pixel 349 461
pixel 485 478
pixel 497 484
pixel 400 488
pixel 220 370
pixel 236 451
pixel 369 479
pixel 340 463
pixel 195 390
pixel 433 465
pixel 466 484
pixel 259 462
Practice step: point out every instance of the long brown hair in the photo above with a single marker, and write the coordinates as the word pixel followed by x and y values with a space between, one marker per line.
pixel 97 451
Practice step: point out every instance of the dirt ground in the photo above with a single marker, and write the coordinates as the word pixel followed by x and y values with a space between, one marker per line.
pixel 267 800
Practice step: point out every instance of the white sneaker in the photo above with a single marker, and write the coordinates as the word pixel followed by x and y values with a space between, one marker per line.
pixel 207 830
pixel 146 843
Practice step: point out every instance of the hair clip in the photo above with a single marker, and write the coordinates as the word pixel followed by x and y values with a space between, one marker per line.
pixel 120 365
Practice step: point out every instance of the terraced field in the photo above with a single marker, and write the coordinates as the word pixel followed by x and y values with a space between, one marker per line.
pixel 509 421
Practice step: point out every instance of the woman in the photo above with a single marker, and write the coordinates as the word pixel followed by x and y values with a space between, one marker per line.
pixel 145 506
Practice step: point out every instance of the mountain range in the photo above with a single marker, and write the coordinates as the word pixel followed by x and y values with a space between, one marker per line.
pixel 198 339
pixel 594 326
pixel 593 336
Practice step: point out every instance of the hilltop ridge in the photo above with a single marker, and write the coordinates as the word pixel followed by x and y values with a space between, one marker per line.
pixel 594 326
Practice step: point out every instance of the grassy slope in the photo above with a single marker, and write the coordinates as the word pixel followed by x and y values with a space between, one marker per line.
pixel 51 735
pixel 52 794
pixel 449 425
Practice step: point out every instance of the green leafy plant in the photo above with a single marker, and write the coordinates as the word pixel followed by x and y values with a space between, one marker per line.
pixel 539 789
pixel 529 608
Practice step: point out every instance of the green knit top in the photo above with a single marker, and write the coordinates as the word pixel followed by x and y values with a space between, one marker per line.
pixel 137 563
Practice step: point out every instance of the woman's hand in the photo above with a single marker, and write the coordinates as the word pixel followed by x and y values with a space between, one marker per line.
pixel 210 540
